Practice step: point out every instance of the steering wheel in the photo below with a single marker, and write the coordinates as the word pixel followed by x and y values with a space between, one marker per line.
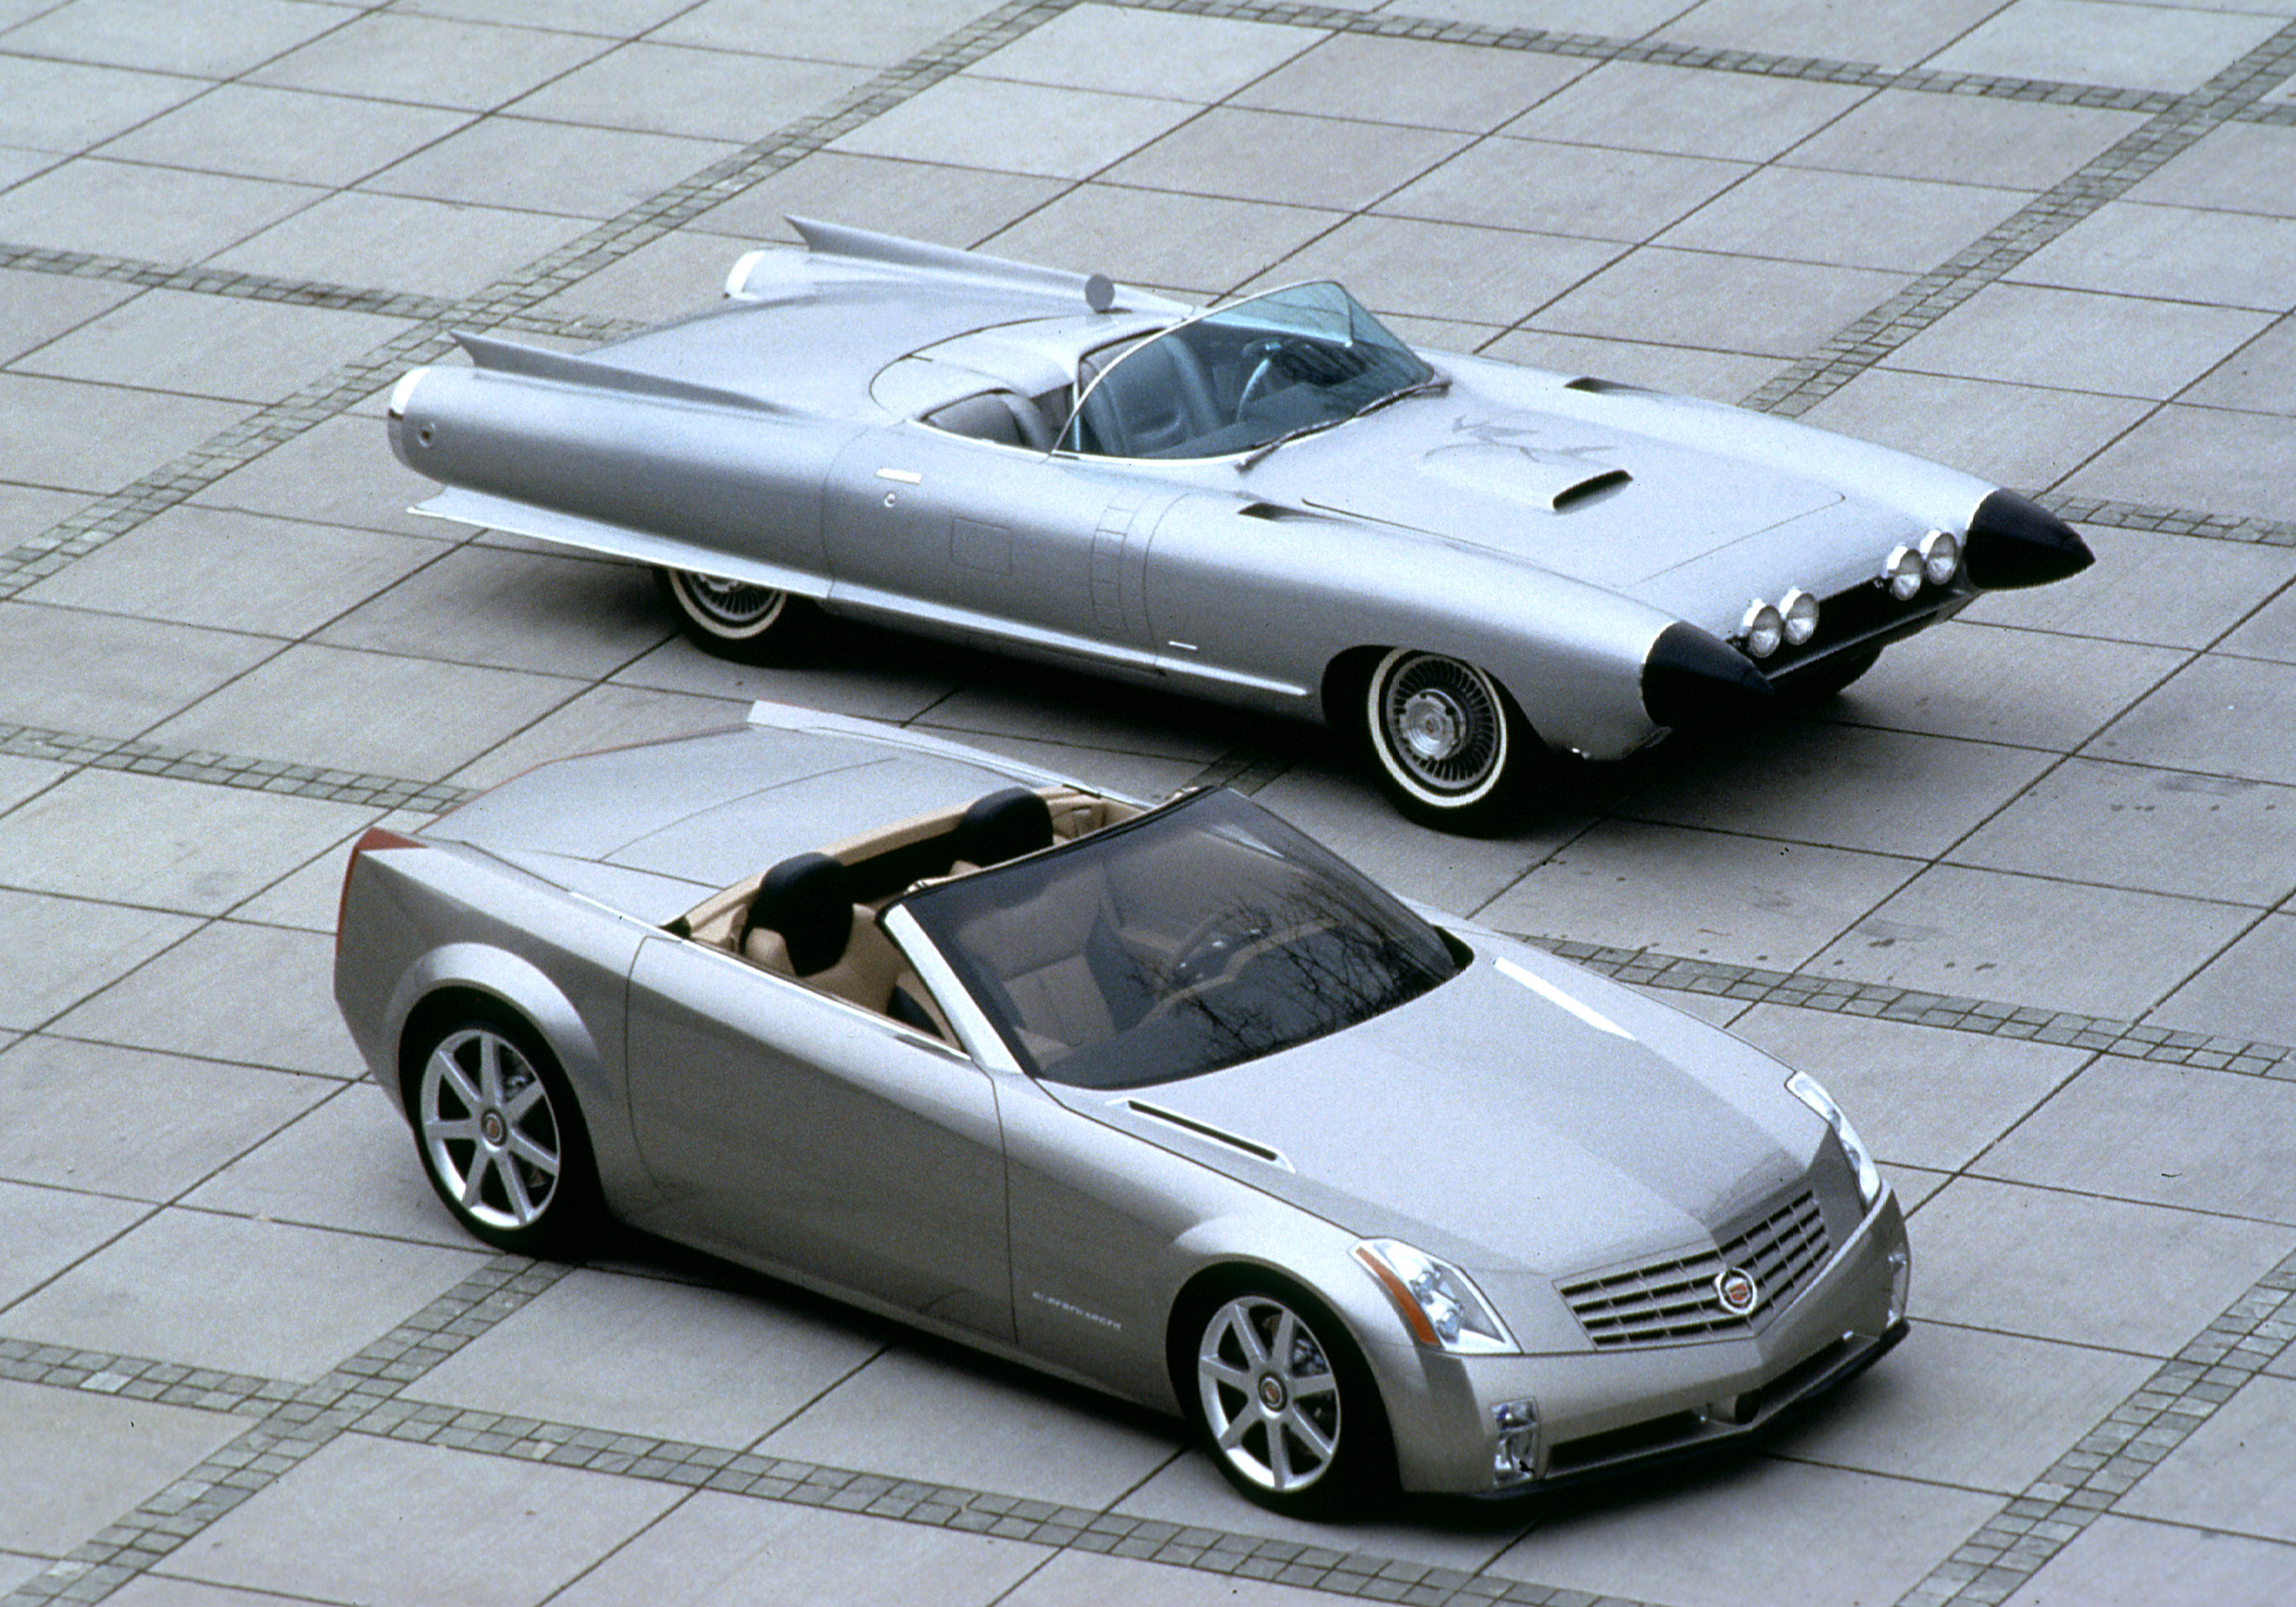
pixel 1214 945
pixel 1265 368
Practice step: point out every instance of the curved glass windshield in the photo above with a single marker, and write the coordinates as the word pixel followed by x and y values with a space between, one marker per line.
pixel 1190 938
pixel 1243 378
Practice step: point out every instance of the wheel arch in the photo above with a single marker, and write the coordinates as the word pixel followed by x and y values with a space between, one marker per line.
pixel 1345 679
pixel 474 976
pixel 1342 1337
pixel 1201 1291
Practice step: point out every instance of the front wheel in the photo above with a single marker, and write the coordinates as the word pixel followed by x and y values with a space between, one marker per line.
pixel 501 1140
pixel 1286 1408
pixel 735 619
pixel 1453 750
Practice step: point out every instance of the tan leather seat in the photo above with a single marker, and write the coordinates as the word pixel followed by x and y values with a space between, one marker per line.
pixel 804 923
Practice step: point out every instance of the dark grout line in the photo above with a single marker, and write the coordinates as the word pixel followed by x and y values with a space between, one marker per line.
pixel 366 1395
pixel 2051 1512
pixel 2177 124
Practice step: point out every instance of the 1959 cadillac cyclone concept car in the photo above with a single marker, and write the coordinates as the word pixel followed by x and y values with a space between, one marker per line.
pixel 1168 1101
pixel 1276 503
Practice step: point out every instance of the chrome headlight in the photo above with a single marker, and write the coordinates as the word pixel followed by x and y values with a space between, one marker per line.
pixel 1763 627
pixel 1941 556
pixel 1442 1310
pixel 1902 571
pixel 1812 1093
pixel 1799 610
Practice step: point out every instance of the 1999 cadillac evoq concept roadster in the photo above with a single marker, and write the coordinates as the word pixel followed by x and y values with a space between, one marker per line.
pixel 1166 1101
pixel 1275 503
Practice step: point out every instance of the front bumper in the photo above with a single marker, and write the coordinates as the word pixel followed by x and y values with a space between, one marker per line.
pixel 1601 1412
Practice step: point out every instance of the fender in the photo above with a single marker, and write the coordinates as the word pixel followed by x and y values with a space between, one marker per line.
pixel 520 986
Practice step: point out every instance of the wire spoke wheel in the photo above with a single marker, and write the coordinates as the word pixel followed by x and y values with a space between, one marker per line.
pixel 736 619
pixel 1450 745
pixel 1270 1396
pixel 735 605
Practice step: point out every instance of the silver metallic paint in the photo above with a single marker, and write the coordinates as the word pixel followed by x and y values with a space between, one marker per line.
pixel 748 440
pixel 760 1119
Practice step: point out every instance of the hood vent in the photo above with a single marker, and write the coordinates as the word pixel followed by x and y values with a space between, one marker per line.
pixel 1589 383
pixel 1205 1130
pixel 1593 485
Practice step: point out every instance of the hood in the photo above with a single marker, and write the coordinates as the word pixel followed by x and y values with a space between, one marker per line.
pixel 1690 507
pixel 1523 1116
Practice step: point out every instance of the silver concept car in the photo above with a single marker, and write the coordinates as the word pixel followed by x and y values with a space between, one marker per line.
pixel 1275 503
pixel 1166 1100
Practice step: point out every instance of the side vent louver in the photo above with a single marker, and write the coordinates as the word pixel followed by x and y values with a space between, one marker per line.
pixel 1205 1130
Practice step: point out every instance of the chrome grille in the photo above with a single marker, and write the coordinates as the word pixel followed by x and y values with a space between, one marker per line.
pixel 1674 1298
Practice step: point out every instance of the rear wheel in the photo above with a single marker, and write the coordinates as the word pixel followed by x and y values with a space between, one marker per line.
pixel 735 619
pixel 1453 750
pixel 1284 1404
pixel 501 1140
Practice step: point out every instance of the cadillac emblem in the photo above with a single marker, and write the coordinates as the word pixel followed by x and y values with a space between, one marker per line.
pixel 1738 1291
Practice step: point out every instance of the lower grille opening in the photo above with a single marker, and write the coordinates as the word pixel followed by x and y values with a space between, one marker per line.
pixel 1615 1444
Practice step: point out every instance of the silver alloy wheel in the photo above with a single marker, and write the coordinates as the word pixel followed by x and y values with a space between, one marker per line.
pixel 1270 1397
pixel 489 1129
pixel 1439 726
pixel 734 609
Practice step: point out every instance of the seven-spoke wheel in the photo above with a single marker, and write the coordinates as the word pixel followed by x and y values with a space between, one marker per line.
pixel 733 619
pixel 1286 1411
pixel 1451 747
pixel 501 1140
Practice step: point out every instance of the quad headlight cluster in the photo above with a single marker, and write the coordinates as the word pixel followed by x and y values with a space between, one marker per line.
pixel 1792 619
pixel 1788 622
pixel 1936 561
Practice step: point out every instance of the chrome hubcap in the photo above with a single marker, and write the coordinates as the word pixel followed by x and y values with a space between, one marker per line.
pixel 1432 727
pixel 488 1129
pixel 1442 732
pixel 1269 1394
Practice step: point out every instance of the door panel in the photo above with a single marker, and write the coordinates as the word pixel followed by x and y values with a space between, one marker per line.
pixel 783 1127
pixel 1005 543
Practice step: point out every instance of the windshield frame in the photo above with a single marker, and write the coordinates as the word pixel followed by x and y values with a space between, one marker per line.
pixel 938 913
pixel 1364 328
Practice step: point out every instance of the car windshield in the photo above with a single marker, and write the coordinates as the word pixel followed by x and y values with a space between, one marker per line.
pixel 1190 938
pixel 1242 378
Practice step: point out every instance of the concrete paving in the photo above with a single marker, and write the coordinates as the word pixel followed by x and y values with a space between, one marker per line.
pixel 2023 897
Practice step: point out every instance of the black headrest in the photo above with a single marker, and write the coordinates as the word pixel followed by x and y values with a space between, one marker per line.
pixel 808 899
pixel 1004 826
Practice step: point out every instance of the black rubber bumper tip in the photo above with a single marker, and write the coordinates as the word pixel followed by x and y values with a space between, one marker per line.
pixel 1690 679
pixel 2015 541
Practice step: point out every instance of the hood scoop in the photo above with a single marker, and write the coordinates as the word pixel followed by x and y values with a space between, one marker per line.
pixel 1206 1130
pixel 1556 480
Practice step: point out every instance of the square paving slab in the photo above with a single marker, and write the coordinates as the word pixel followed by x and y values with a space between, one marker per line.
pixel 2020 897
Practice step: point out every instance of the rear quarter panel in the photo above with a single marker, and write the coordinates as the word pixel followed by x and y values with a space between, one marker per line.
pixel 420 924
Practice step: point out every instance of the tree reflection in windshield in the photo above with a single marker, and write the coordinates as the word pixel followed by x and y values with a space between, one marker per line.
pixel 1192 938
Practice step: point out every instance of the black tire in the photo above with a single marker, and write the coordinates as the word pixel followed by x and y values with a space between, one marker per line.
pixel 500 1135
pixel 1282 1402
pixel 735 619
pixel 1448 744
pixel 1824 681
